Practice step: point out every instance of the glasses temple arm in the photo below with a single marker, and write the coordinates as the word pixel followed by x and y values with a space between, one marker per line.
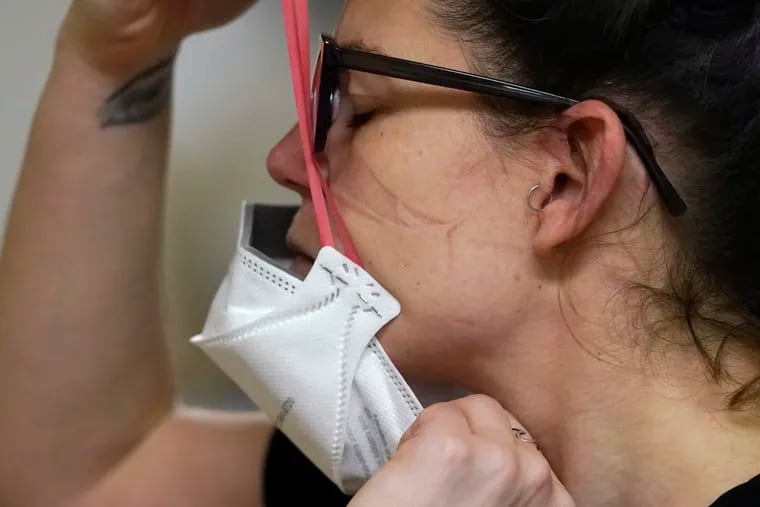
pixel 439 76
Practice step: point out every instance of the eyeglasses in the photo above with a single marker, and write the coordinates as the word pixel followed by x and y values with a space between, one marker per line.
pixel 333 58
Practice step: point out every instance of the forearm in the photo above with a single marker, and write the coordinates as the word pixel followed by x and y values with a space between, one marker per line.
pixel 85 368
pixel 192 459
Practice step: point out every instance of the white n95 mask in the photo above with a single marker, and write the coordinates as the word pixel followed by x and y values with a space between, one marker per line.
pixel 305 352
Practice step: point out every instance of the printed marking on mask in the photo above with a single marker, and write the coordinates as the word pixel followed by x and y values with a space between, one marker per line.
pixel 285 410
pixel 334 277
pixel 367 304
pixel 371 425
pixel 359 454
pixel 371 444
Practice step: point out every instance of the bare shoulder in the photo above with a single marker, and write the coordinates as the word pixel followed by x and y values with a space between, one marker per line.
pixel 193 458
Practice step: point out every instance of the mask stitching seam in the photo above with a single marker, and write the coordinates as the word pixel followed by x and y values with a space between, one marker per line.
pixel 267 322
pixel 334 277
pixel 337 448
pixel 257 268
pixel 403 391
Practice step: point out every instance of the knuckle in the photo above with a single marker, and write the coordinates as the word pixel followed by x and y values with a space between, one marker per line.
pixel 541 475
pixel 538 476
pixel 484 402
pixel 504 466
pixel 412 447
pixel 410 433
pixel 434 413
pixel 455 452
pixel 435 410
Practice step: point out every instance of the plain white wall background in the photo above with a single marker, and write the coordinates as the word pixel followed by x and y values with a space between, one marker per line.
pixel 233 101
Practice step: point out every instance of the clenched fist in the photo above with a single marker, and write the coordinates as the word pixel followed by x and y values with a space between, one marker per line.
pixel 123 36
pixel 465 453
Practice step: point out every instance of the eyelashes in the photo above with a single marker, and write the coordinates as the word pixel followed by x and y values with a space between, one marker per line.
pixel 360 119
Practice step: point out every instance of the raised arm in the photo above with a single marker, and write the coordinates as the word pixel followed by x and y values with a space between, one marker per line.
pixel 85 373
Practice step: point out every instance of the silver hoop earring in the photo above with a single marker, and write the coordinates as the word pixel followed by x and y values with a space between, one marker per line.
pixel 530 200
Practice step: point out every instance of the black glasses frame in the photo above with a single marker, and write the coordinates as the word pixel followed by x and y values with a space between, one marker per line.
pixel 333 58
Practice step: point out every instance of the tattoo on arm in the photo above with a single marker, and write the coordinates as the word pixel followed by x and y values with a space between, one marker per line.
pixel 140 100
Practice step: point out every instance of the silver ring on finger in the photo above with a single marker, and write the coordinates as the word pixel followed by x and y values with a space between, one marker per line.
pixel 523 436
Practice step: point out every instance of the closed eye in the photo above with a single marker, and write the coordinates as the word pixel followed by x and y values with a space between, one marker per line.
pixel 360 119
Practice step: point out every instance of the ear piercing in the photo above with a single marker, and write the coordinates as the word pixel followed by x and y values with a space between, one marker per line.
pixel 532 205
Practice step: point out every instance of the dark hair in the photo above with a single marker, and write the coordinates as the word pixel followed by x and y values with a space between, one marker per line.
pixel 690 71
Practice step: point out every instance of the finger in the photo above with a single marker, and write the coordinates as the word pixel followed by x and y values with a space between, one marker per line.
pixel 521 434
pixel 557 497
pixel 537 480
pixel 438 420
pixel 488 418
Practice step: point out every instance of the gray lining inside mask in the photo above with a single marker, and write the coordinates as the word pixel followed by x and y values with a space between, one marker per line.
pixel 264 233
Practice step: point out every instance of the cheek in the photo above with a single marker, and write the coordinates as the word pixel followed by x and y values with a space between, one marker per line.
pixel 412 169
pixel 434 221
pixel 461 292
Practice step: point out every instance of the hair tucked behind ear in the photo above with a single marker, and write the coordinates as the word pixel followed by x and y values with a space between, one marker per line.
pixel 689 68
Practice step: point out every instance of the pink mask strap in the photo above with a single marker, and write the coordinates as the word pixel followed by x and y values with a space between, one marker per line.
pixel 294 38
pixel 296 18
pixel 345 237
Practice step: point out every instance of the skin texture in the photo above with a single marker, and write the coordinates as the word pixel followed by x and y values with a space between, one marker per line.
pixel 516 305
pixel 525 307
pixel 462 453
pixel 475 269
pixel 100 427
pixel 86 397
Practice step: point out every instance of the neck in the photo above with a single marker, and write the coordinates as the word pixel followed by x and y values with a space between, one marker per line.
pixel 655 451
pixel 618 435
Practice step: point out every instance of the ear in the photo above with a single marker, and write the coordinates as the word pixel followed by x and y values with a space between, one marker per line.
pixel 589 143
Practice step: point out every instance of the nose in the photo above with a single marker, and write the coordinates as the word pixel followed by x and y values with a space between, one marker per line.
pixel 286 163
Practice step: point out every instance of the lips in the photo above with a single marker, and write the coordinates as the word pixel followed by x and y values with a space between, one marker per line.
pixel 302 262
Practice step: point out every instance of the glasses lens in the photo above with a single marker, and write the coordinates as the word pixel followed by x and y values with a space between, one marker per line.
pixel 334 104
pixel 325 96
pixel 316 85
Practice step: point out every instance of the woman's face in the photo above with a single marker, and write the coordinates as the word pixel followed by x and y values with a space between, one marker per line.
pixel 437 211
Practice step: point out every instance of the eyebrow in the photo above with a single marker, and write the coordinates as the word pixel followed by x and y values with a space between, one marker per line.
pixel 362 45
